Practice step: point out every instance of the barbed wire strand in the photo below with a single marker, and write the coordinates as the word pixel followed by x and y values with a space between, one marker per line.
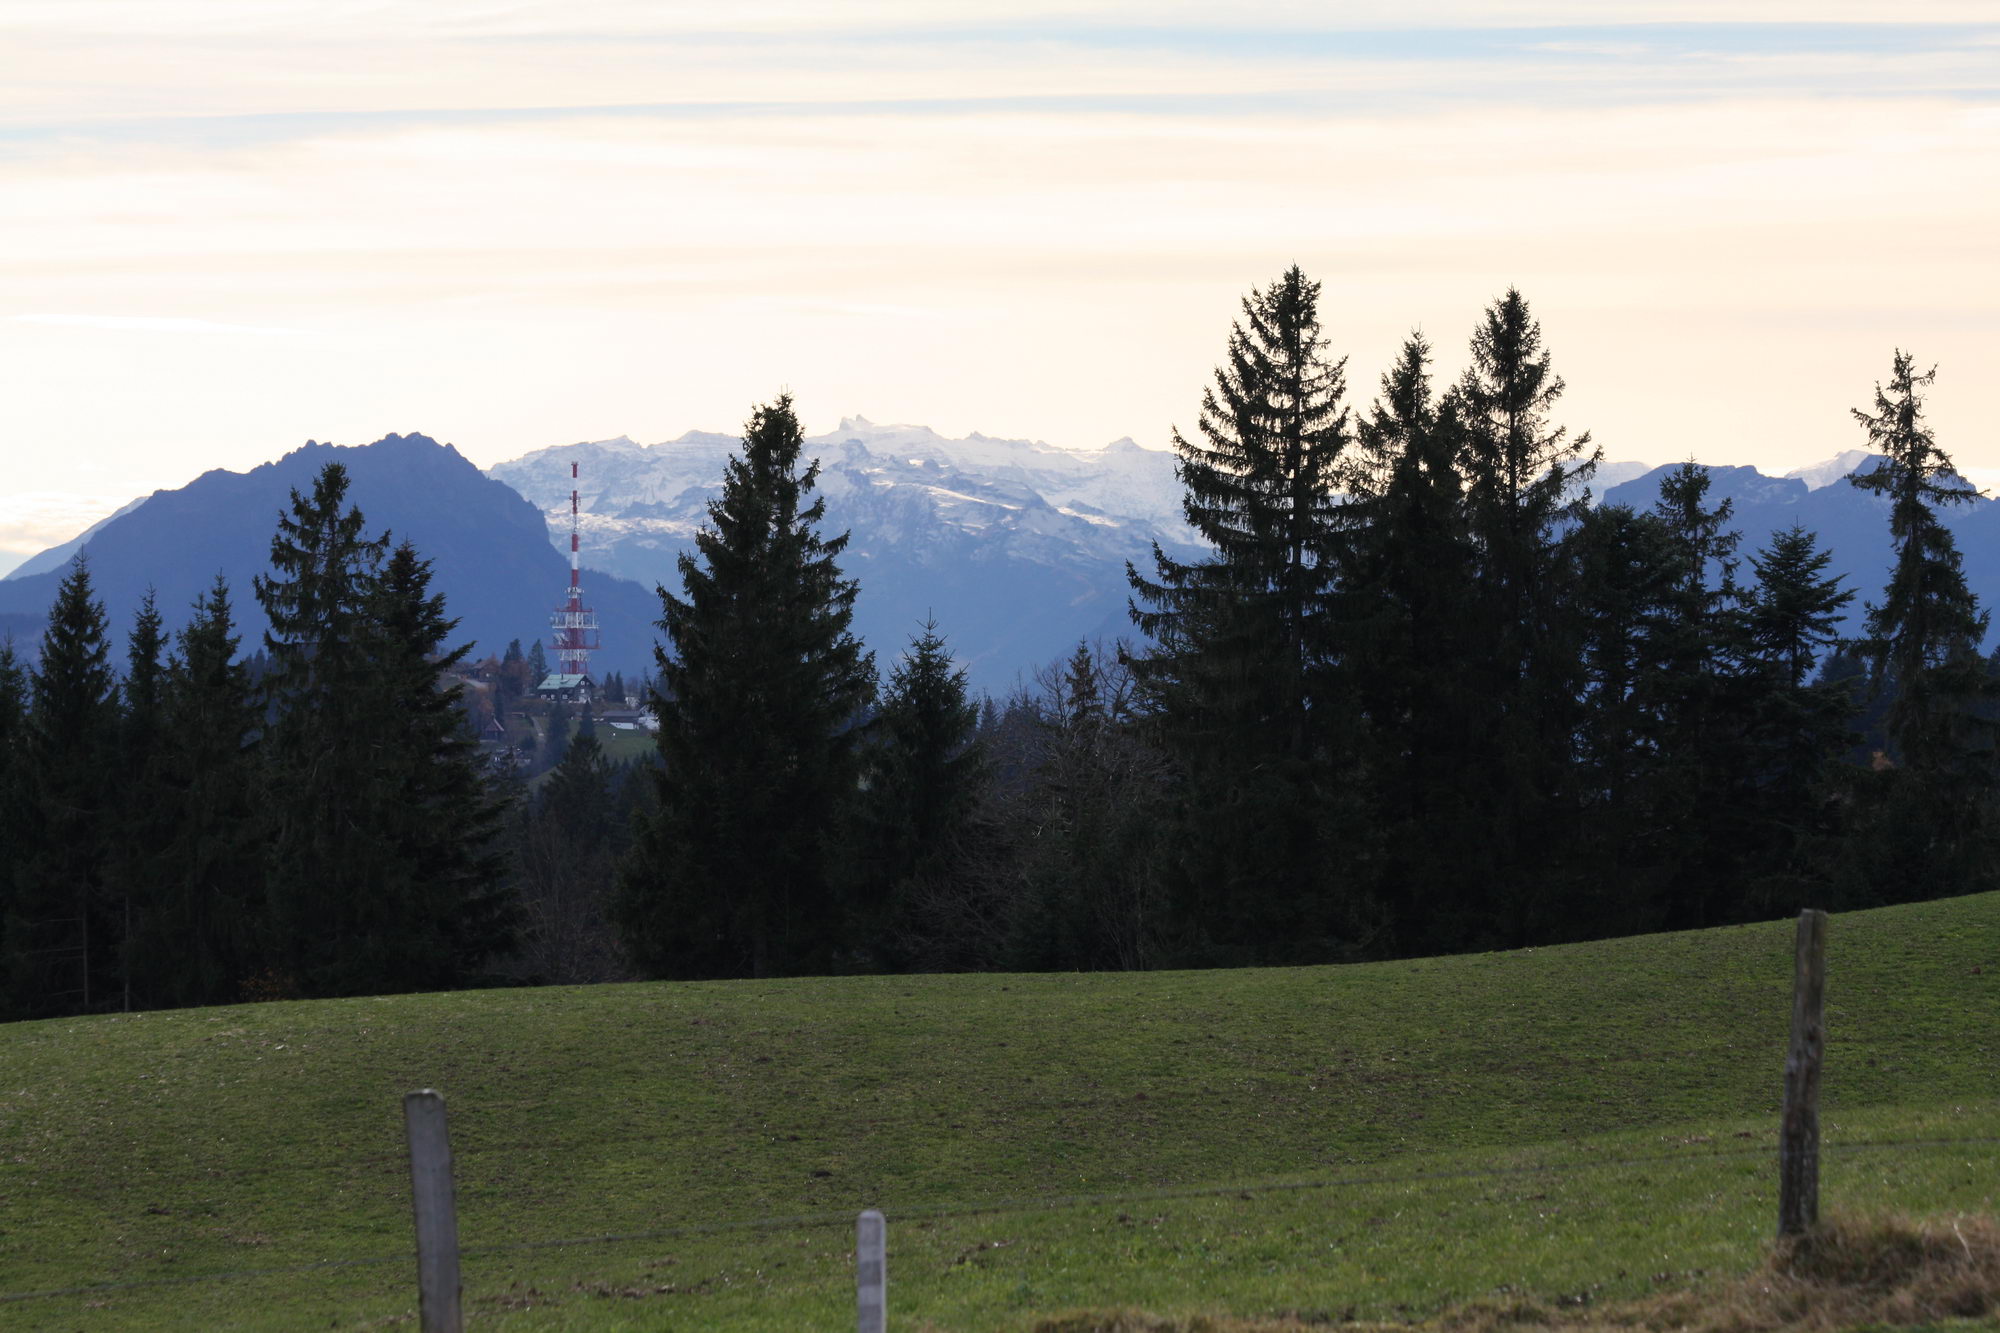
pixel 462 1151
pixel 1035 1203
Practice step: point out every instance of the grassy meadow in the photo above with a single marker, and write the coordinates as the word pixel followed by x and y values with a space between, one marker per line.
pixel 1575 1126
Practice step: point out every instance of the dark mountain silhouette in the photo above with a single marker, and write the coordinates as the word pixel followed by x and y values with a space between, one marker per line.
pixel 1850 522
pixel 494 564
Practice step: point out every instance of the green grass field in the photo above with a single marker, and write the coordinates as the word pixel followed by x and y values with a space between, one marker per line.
pixel 1587 1123
pixel 620 747
pixel 624 746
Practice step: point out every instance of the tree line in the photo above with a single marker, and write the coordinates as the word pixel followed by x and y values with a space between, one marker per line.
pixel 309 821
pixel 1420 696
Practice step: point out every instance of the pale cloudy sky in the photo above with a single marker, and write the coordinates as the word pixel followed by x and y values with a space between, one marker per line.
pixel 230 225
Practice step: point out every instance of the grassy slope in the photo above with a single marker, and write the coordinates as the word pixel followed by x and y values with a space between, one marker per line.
pixel 622 747
pixel 260 1137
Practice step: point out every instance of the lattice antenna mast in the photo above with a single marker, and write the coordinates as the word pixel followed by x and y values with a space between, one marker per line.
pixel 574 623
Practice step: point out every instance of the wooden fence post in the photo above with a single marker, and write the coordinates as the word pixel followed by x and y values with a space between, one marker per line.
pixel 1798 1137
pixel 436 1211
pixel 871 1272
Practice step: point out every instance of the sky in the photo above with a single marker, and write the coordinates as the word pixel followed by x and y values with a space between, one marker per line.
pixel 229 226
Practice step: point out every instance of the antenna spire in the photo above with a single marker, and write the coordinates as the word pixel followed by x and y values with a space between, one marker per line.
pixel 575 624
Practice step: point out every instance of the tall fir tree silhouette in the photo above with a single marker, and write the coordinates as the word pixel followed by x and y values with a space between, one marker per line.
pixel 760 686
pixel 1924 647
pixel 1524 490
pixel 925 773
pixel 379 872
pixel 1409 620
pixel 1241 675
pixel 61 930
pixel 199 938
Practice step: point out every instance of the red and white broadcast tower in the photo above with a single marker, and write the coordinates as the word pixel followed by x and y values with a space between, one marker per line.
pixel 574 623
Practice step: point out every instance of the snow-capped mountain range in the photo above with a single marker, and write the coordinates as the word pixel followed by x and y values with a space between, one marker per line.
pixel 1016 548
pixel 631 491
pixel 1837 468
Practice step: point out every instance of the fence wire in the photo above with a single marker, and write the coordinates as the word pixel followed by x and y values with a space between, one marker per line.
pixel 1032 1203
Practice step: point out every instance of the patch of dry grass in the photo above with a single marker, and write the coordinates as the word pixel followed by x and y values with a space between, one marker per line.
pixel 1851 1273
pixel 1894 1270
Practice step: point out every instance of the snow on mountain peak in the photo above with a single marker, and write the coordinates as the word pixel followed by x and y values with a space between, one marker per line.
pixel 997 531
pixel 1832 470
pixel 891 437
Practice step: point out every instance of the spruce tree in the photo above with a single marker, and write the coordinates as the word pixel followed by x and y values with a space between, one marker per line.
pixel 761 684
pixel 196 942
pixel 1801 727
pixel 1703 572
pixel 140 725
pixel 1409 569
pixel 1240 672
pixel 1924 645
pixel 327 856
pixel 135 866
pixel 1625 576
pixel 1523 474
pixel 16 827
pixel 1796 608
pixel 62 933
pixel 925 773
pixel 1262 488
pixel 443 913
pixel 1706 786
pixel 510 682
pixel 1693 795
pixel 13 701
pixel 1924 638
pixel 382 873
pixel 1524 488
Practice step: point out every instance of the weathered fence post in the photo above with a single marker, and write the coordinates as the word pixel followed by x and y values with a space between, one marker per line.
pixel 871 1272
pixel 436 1210
pixel 1798 1136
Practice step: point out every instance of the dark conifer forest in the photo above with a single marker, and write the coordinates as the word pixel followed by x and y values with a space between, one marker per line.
pixel 1423 696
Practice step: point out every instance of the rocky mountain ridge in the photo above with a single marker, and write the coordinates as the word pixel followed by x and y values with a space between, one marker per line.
pixel 489 547
pixel 1016 548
